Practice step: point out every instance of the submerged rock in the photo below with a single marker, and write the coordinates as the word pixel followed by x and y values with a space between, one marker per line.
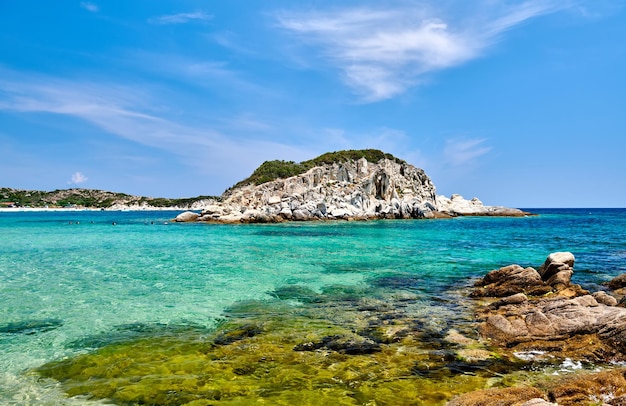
pixel 499 397
pixel 351 345
pixel 600 388
pixel 29 327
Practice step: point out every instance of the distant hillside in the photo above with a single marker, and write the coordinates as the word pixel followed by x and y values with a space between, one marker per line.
pixel 87 198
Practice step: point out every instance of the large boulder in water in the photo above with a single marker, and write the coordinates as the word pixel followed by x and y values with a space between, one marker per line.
pixel 510 280
pixel 186 217
pixel 543 307
pixel 553 276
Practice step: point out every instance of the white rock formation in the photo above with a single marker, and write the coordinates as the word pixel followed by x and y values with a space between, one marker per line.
pixel 456 205
pixel 347 190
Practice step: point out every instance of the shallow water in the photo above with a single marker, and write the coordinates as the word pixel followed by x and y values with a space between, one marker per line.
pixel 73 283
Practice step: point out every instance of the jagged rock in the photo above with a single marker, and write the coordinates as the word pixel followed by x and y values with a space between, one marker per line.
pixel 510 280
pixel 609 386
pixel 569 312
pixel 557 270
pixel 553 276
pixel 517 298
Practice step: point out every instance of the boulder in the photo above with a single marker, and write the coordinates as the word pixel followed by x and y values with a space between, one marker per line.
pixel 301 215
pixel 604 298
pixel 510 280
pixel 618 282
pixel 187 217
pixel 274 199
pixel 553 276
pixel 555 263
pixel 555 318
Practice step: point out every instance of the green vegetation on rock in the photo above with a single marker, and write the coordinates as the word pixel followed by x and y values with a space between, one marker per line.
pixel 342 346
pixel 278 169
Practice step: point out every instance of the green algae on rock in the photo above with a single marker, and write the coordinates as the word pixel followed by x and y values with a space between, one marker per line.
pixel 345 345
pixel 382 342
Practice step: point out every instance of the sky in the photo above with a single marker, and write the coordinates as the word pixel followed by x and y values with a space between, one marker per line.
pixel 519 103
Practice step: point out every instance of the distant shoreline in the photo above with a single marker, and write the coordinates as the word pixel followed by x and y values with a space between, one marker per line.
pixel 74 209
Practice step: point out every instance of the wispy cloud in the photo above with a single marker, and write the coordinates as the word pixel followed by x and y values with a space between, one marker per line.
pixel 230 41
pixel 90 6
pixel 384 52
pixel 181 18
pixel 459 152
pixel 77 179
pixel 134 113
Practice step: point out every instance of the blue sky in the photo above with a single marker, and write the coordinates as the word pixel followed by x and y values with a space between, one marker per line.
pixel 520 103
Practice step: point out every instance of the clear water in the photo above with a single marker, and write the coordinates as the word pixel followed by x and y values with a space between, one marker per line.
pixel 65 276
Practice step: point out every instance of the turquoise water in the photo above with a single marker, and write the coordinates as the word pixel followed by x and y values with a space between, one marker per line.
pixel 66 277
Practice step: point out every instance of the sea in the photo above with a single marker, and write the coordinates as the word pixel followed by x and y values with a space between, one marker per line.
pixel 129 307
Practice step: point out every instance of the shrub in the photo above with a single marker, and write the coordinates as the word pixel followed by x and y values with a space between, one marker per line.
pixel 272 170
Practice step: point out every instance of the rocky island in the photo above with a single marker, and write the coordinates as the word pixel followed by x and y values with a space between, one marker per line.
pixel 344 185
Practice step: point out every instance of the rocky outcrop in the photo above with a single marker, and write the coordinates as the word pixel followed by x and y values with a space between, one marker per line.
pixel 554 319
pixel 456 205
pixel 348 190
pixel 552 277
pixel 542 307
pixel 540 317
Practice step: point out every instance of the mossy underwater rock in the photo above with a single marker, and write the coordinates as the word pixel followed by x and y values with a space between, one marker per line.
pixel 343 346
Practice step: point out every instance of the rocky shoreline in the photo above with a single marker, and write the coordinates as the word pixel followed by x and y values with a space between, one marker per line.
pixel 539 315
pixel 350 190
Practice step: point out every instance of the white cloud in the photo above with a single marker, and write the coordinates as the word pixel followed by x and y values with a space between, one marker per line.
pixel 134 113
pixel 77 179
pixel 90 6
pixel 384 52
pixel 181 18
pixel 459 152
